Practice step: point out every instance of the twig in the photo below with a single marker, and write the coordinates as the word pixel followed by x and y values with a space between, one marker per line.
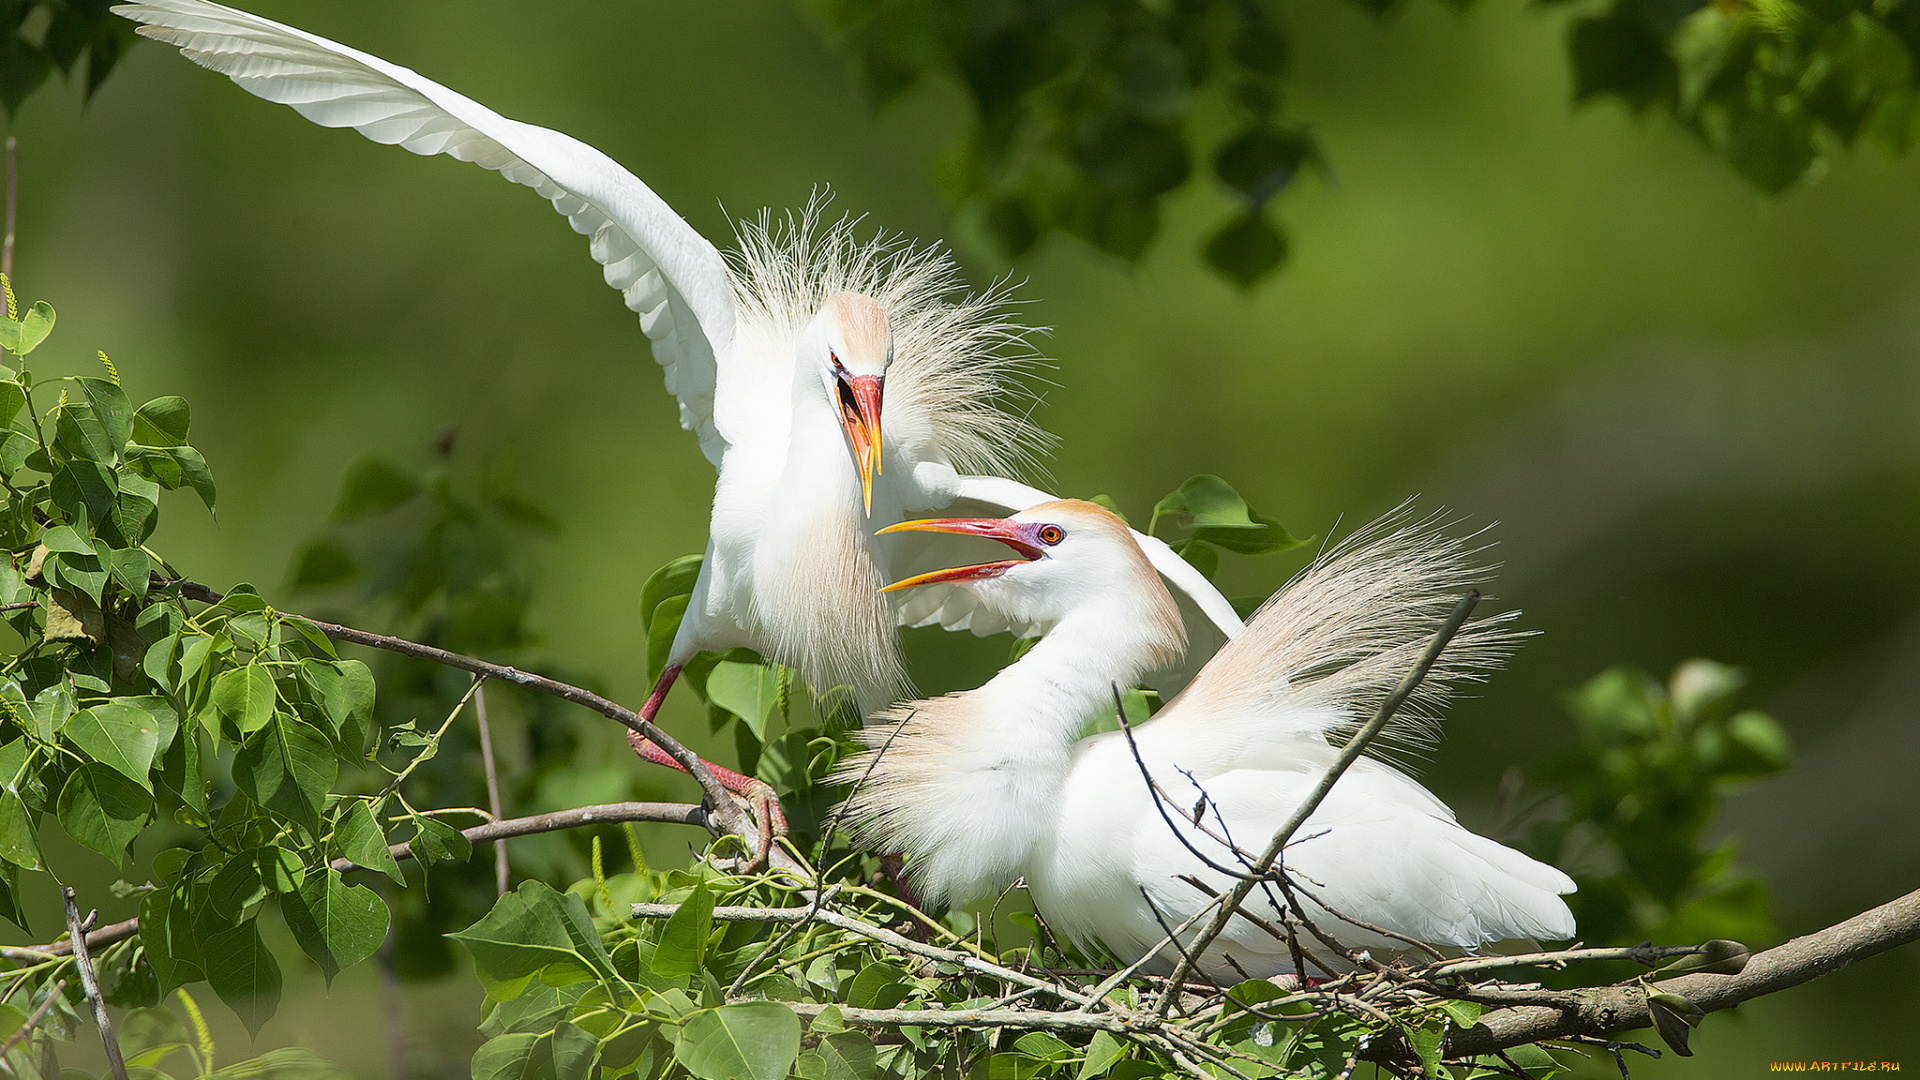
pixel 1644 954
pixel 1160 797
pixel 603 814
pixel 21 606
pixel 873 933
pixel 500 868
pixel 726 813
pixel 53 994
pixel 1348 755
pixel 88 983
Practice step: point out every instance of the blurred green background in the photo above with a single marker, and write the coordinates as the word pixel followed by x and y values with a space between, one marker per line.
pixel 1694 411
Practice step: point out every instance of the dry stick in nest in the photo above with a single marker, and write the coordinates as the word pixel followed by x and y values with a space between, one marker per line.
pixel 91 985
pixel 725 811
pixel 1348 755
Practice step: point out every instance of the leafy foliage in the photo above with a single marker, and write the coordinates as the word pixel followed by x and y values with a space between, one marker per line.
pixel 1651 766
pixel 38 37
pixel 1772 86
pixel 1084 113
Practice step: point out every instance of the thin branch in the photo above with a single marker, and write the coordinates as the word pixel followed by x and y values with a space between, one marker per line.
pixel 91 985
pixel 873 933
pixel 603 814
pixel 726 813
pixel 1160 797
pixel 500 868
pixel 53 995
pixel 1620 1008
pixel 1348 755
pixel 1644 954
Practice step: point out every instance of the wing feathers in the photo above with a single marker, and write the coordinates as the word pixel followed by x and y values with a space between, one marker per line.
pixel 667 273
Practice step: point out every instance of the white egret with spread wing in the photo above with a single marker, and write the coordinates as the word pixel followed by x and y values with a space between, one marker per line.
pixel 836 385
pixel 980 788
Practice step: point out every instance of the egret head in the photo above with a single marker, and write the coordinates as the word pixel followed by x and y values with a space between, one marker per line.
pixel 850 345
pixel 1071 554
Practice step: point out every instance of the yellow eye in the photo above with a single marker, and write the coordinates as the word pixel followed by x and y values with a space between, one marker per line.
pixel 1052 534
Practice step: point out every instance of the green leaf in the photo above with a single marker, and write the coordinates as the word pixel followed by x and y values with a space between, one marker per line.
pixel 323 563
pixel 337 924
pixel 753 1040
pixel 878 985
pixel 1716 957
pixel 237 886
pixel 164 421
pixel 531 928
pixel 244 974
pixel 166 932
pixel 1041 1045
pixel 245 696
pixel 1260 161
pixel 102 809
pixel 373 486
pixel 288 767
pixel 13 397
pixel 1763 738
pixel 1203 502
pixel 21 338
pixel 564 1053
pixel 362 840
pixel 1246 249
pixel 193 469
pixel 120 735
pixel 110 404
pixel 18 843
pixel 436 841
pixel 1102 1051
pixel 660 631
pixel 79 431
pixel 131 568
pixel 749 691
pixel 847 1055
pixel 682 948
pixel 674 579
pixel 1674 1017
pixel 86 485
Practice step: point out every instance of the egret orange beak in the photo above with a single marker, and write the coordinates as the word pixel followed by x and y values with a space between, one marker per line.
pixel 1014 534
pixel 860 413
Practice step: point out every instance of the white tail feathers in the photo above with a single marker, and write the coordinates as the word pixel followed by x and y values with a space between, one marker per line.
pixel 1332 644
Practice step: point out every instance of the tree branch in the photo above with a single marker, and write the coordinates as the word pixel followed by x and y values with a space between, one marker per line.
pixel 91 985
pixel 726 812
pixel 1620 1008
pixel 873 933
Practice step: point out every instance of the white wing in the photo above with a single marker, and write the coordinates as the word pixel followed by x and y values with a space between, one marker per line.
pixel 669 274
pixel 1209 616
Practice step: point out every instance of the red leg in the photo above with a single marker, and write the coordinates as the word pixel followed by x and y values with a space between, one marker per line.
pixel 765 805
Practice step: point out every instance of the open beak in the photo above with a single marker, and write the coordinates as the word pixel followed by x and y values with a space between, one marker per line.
pixel 860 412
pixel 1011 533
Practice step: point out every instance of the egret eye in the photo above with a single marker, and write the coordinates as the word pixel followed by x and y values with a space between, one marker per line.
pixel 1052 534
